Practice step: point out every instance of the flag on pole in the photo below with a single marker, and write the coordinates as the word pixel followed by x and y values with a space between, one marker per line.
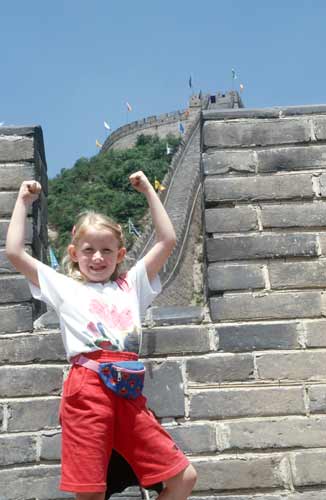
pixel 234 75
pixel 53 260
pixel 107 126
pixel 129 108
pixel 98 144
pixel 181 128
pixel 158 186
pixel 132 229
pixel 241 87
pixel 190 82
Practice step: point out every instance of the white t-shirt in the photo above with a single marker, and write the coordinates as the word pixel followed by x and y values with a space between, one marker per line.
pixel 96 316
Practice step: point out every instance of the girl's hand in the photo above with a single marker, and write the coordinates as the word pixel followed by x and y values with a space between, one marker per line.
pixel 29 191
pixel 140 182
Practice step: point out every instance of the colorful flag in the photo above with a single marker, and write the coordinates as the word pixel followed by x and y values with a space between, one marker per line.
pixel 234 75
pixel 241 87
pixel 132 229
pixel 129 108
pixel 107 126
pixel 158 186
pixel 53 260
pixel 181 128
pixel 98 144
pixel 190 82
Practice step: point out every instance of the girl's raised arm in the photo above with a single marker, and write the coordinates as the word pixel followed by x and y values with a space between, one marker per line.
pixel 15 244
pixel 165 234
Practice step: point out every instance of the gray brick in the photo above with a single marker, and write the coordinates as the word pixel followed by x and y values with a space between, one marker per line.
pixel 32 348
pixel 223 277
pixel 4 228
pixel 16 148
pixel 194 438
pixel 298 274
pixel 262 246
pixel 228 220
pixel 317 398
pixel 175 315
pixel 5 265
pixel 222 162
pixel 309 468
pixel 51 446
pixel 12 175
pixel 277 305
pixel 17 450
pixel 322 185
pixel 14 289
pixel 255 337
pixel 288 432
pixel 319 124
pixel 14 319
pixel 315 333
pixel 298 365
pixel 175 340
pixel 277 187
pixel 164 388
pixel 255 133
pixel 33 414
pixel 7 202
pixel 30 381
pixel 238 473
pixel 294 215
pixel 291 158
pixel 247 402
pixel 220 368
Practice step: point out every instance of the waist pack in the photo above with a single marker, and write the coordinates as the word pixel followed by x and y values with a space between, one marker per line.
pixel 125 378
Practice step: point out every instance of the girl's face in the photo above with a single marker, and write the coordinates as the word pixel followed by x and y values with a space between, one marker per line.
pixel 97 254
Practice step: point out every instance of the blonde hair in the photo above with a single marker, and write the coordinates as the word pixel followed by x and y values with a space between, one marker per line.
pixel 84 221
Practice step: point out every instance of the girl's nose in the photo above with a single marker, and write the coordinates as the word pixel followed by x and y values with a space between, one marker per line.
pixel 97 255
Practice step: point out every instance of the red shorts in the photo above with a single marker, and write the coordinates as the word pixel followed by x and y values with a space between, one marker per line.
pixel 94 420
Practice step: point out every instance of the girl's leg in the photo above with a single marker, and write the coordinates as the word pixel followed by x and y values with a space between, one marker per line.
pixel 180 486
pixel 90 496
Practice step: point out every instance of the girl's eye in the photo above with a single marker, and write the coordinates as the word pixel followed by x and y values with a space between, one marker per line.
pixel 107 250
pixel 88 250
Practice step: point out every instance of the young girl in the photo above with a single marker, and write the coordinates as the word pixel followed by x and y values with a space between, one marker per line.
pixel 100 317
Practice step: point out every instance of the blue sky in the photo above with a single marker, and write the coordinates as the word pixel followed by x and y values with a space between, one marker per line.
pixel 68 65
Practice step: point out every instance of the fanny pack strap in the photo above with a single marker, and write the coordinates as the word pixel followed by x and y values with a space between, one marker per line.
pixel 88 363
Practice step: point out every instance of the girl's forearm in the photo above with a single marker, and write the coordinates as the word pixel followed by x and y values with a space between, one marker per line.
pixel 162 223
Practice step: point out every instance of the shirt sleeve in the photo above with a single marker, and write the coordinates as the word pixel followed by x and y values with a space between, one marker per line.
pixel 53 286
pixel 146 291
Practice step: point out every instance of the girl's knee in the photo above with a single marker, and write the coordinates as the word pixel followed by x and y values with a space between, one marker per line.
pixel 190 475
pixel 90 496
pixel 185 480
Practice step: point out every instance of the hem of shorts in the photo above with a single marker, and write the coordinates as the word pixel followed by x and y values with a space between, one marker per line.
pixel 163 476
pixel 83 488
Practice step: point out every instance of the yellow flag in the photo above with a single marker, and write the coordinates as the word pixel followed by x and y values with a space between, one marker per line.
pixel 158 186
pixel 98 144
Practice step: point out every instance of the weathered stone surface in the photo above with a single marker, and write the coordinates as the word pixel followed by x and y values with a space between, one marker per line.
pixel 51 446
pixel 317 398
pixel 222 162
pixel 30 380
pixel 291 158
pixel 175 315
pixel 228 220
pixel 277 305
pixel 32 348
pixel 16 148
pixel 220 368
pixel 247 402
pixel 315 333
pixel 12 175
pixel 47 321
pixel 277 187
pixel 7 203
pixel 267 433
pixel 223 277
pixel 294 215
pixel 322 185
pixel 33 414
pixel 236 473
pixel 5 265
pixel 255 132
pixel 14 289
pixel 298 274
pixel 4 228
pixel 17 450
pixel 14 319
pixel 179 340
pixel 298 365
pixel 164 388
pixel 261 246
pixel 194 438
pixel 319 124
pixel 309 468
pixel 255 337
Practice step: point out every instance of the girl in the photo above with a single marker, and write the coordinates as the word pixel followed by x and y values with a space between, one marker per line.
pixel 100 318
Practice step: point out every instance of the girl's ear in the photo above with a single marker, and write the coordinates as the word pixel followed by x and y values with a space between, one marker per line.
pixel 121 254
pixel 72 251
